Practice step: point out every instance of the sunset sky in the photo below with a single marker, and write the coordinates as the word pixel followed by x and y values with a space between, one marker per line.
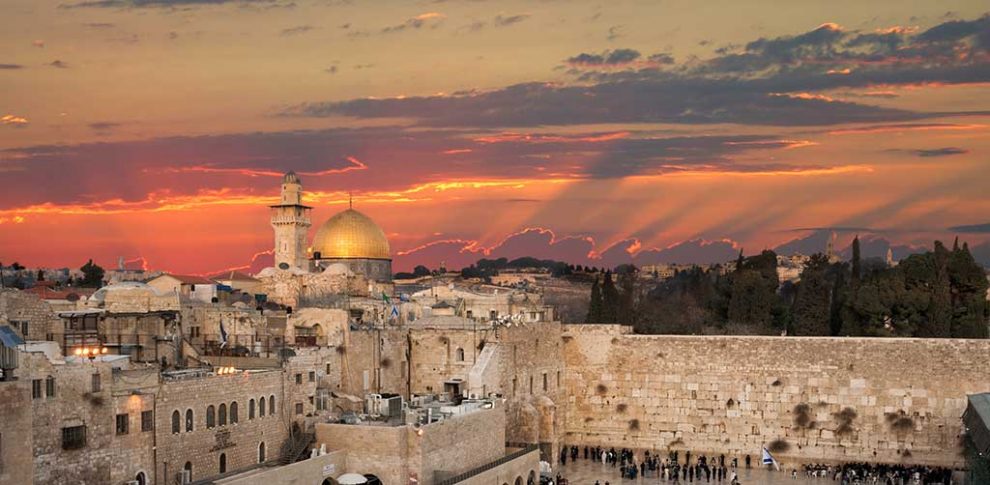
pixel 595 132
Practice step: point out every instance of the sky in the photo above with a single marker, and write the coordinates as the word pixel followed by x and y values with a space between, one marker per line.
pixel 593 132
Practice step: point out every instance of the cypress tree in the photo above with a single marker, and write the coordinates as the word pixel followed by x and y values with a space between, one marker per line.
pixel 610 300
pixel 856 261
pixel 811 305
pixel 595 306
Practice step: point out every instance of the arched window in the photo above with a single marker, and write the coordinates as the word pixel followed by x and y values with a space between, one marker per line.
pixel 50 387
pixel 233 412
pixel 261 407
pixel 222 415
pixel 176 422
pixel 223 463
pixel 459 355
pixel 251 409
pixel 261 452
pixel 211 416
pixel 188 467
pixel 271 404
pixel 189 421
pixel 141 479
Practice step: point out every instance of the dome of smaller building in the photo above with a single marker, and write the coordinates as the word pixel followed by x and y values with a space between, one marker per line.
pixel 290 178
pixel 336 268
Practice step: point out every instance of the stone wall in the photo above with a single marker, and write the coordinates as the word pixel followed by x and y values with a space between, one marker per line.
pixel 397 454
pixel 16 433
pixel 311 471
pixel 239 442
pixel 813 399
pixel 18 307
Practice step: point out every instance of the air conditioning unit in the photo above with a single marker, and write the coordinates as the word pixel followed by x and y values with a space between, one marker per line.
pixel 184 477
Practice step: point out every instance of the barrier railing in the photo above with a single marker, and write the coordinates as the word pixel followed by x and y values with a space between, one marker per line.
pixel 488 466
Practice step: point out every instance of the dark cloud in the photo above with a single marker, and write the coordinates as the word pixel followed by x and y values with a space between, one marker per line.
pixel 614 33
pixel 507 20
pixel 300 29
pixel 677 100
pixel 608 58
pixel 59 64
pixel 661 58
pixel 940 152
pixel 497 22
pixel 972 228
pixel 104 126
pixel 10 66
pixel 764 84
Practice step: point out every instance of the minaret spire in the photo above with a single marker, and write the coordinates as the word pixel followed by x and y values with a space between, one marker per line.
pixel 350 200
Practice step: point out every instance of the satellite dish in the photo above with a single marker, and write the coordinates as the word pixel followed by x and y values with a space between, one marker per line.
pixel 283 266
pixel 72 297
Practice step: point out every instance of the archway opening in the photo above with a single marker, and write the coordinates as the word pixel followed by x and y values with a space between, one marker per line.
pixel 223 463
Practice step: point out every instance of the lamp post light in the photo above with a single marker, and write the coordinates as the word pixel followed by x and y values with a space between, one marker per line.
pixel 90 352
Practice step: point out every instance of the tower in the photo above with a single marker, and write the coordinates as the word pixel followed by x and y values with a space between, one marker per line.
pixel 290 220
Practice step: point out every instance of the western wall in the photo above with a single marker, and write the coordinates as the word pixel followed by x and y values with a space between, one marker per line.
pixel 813 399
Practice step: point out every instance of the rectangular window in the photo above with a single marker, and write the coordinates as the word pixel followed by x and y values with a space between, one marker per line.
pixel 312 376
pixel 299 408
pixel 147 421
pixel 328 369
pixel 530 384
pixel 558 378
pixel 96 383
pixel 36 389
pixel 24 330
pixel 298 378
pixel 50 387
pixel 122 423
pixel 545 387
pixel 73 437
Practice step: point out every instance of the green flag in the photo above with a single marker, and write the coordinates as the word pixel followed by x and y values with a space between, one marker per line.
pixel 385 298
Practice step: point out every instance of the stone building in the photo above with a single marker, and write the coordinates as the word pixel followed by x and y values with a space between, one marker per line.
pixel 349 254
pixel 812 399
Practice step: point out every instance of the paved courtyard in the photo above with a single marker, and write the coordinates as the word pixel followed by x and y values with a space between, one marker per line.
pixel 585 472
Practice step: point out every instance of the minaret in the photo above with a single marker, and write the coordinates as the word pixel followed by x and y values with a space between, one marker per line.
pixel 290 220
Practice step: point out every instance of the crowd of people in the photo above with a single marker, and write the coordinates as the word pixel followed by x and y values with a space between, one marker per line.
pixel 881 474
pixel 670 468
pixel 685 468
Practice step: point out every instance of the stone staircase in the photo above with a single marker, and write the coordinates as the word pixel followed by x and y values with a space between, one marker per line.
pixel 296 448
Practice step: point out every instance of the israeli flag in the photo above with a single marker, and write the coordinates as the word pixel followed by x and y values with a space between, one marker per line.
pixel 223 336
pixel 768 459
pixel 395 312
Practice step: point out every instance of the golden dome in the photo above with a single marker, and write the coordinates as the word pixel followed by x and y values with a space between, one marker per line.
pixel 350 235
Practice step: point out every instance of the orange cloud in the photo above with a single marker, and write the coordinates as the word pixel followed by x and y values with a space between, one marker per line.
pixel 537 138
pixel 904 127
pixel 13 120
pixel 249 172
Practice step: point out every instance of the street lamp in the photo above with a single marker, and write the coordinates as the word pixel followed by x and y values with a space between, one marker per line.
pixel 90 352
